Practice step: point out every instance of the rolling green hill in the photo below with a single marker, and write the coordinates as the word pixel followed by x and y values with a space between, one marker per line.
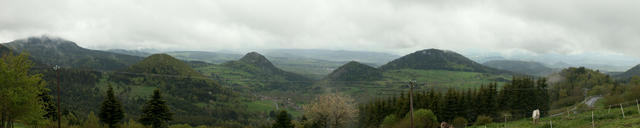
pixel 354 71
pixel 163 64
pixel 57 51
pixel 255 72
pixel 308 67
pixel 522 67
pixel 435 59
pixel 194 98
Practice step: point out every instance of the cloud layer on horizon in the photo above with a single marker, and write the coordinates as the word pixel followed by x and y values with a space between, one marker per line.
pixel 395 26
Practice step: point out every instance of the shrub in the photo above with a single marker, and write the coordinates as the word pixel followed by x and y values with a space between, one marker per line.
pixel 389 120
pixel 424 118
pixel 459 122
pixel 482 120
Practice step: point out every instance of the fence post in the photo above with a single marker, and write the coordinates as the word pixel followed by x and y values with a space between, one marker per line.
pixel 638 106
pixel 593 124
pixel 505 121
pixel 551 123
pixel 609 111
pixel 622 110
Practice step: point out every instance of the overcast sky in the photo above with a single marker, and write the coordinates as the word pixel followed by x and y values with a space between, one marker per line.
pixel 395 26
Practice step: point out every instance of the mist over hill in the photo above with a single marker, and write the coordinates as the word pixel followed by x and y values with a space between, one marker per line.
pixel 58 51
pixel 603 61
pixel 634 71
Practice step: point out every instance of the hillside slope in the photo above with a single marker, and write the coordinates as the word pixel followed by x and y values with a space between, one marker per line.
pixel 163 64
pixel 435 59
pixel 57 51
pixel 255 72
pixel 634 71
pixel 4 50
pixel 523 67
pixel 355 71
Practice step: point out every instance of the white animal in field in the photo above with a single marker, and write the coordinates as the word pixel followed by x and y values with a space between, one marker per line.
pixel 536 116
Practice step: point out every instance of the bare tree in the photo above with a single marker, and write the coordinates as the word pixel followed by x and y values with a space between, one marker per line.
pixel 331 110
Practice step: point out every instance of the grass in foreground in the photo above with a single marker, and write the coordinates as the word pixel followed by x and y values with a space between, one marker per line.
pixel 602 117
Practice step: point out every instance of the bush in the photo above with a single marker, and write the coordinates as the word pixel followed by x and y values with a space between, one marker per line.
pixel 180 126
pixel 424 118
pixel 389 120
pixel 459 122
pixel 482 120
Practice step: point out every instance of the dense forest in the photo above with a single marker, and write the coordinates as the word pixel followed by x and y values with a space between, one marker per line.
pixel 516 99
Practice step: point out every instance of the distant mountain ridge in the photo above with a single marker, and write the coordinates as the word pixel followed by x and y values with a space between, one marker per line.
pixel 377 58
pixel 4 50
pixel 58 51
pixel 523 67
pixel 435 59
pixel 634 71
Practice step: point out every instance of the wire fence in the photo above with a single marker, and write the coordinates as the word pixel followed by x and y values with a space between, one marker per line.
pixel 597 114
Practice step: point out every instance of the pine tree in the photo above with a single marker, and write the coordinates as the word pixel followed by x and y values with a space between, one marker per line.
pixel 283 120
pixel 155 112
pixel 111 110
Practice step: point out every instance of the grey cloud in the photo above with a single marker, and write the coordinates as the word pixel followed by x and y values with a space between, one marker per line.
pixel 397 26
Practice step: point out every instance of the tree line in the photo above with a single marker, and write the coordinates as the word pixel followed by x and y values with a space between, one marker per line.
pixel 24 98
pixel 488 103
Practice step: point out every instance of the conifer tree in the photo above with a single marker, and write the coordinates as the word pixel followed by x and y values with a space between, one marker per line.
pixel 155 112
pixel 283 120
pixel 111 110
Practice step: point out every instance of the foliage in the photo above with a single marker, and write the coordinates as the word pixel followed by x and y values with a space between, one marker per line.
pixel 92 121
pixel 155 112
pixel 459 122
pixel 389 120
pixel 19 94
pixel 111 109
pixel 132 124
pixel 482 120
pixel 283 120
pixel 331 110
pixel 520 96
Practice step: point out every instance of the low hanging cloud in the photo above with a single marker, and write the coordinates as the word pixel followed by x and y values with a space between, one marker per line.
pixel 396 26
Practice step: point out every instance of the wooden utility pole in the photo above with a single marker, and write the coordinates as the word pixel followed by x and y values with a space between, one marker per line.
pixel 411 84
pixel 57 69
